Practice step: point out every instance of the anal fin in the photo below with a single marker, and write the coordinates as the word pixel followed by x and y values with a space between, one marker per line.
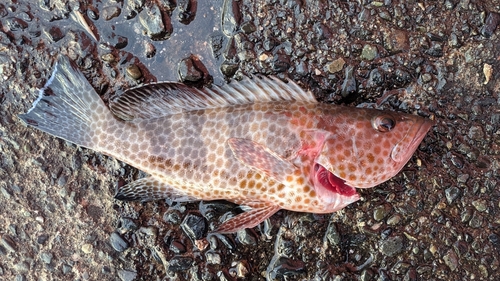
pixel 151 188
pixel 247 219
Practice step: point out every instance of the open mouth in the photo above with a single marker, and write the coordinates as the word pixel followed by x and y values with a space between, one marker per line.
pixel 332 182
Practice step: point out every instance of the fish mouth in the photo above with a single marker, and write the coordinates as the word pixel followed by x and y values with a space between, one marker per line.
pixel 400 154
pixel 331 182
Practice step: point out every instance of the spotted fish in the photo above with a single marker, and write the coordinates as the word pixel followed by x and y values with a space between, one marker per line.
pixel 261 143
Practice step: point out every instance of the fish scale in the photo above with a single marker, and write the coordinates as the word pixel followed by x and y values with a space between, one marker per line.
pixel 260 142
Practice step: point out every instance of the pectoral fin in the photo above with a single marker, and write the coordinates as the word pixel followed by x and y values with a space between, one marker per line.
pixel 248 219
pixel 149 189
pixel 260 158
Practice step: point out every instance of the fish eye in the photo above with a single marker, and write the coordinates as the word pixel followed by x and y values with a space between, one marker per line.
pixel 383 123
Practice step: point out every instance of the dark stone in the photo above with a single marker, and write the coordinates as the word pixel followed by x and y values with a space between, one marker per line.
pixel 157 28
pixel 289 268
pixel 391 246
pixel 280 63
pixel 490 24
pixel 120 42
pixel 3 11
pixel 436 49
pixel 172 216
pixel 117 242
pixel 495 240
pixel 42 239
pixel 177 247
pixel 217 41
pixel 476 220
pixel 55 33
pixel 194 226
pixel 127 224
pixel 248 27
pixel 188 72
pixel 375 79
pixel 192 71
pixel 229 69
pixel 16 24
pixel 126 275
pixel 66 269
pixel 46 257
pixel 180 264
pixel 8 243
pixel 187 10
pixel 452 193
pixel 94 212
pixel 349 87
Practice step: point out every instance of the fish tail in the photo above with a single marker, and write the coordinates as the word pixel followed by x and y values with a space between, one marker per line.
pixel 68 107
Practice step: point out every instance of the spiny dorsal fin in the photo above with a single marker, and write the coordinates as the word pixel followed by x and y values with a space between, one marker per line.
pixel 167 98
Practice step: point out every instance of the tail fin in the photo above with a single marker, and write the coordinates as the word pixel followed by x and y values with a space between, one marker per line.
pixel 67 106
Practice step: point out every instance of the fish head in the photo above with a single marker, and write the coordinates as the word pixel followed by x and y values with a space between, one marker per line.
pixel 365 147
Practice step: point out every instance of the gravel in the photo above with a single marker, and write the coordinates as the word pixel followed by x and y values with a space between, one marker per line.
pixel 437 219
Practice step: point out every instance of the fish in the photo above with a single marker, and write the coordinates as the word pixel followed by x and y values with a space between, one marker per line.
pixel 261 143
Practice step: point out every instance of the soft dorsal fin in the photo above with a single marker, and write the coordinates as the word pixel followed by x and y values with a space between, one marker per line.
pixel 166 98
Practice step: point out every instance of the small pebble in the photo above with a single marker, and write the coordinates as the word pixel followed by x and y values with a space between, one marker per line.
pixel 41 239
pixel 433 249
pixel 22 267
pixel 194 226
pixel 117 242
pixel 188 71
pixel 127 275
pixel 369 52
pixel 488 71
pixel 46 257
pixel 177 247
pixel 134 72
pixel 66 268
pixel 87 248
pixel 151 19
pixel 241 270
pixel 213 257
pixel 179 263
pixel 108 58
pixel 426 77
pixel 393 220
pixel 480 205
pixel 229 69
pixel 491 24
pixel 248 27
pixel 8 243
pixel 110 12
pixel 380 212
pixel 263 57
pixel 476 220
pixel 149 49
pixel 336 65
pixel 451 260
pixel 391 246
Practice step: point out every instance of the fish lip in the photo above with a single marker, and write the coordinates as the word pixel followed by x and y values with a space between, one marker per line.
pixel 420 134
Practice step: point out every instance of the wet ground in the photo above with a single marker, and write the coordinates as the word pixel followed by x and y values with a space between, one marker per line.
pixel 439 219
